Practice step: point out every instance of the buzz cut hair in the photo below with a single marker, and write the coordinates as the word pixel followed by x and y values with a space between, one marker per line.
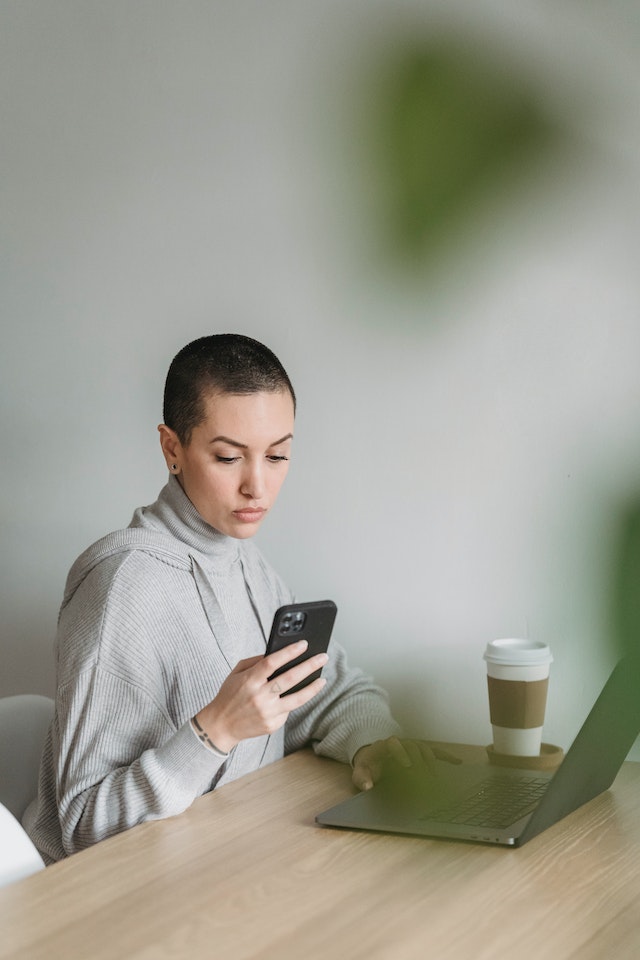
pixel 220 363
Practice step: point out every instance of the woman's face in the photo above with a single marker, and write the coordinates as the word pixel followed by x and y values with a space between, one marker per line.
pixel 236 460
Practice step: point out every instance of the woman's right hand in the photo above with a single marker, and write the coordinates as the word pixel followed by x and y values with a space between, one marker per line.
pixel 248 704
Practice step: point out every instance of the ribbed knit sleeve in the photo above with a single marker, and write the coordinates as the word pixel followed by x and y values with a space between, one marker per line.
pixel 120 750
pixel 351 712
pixel 128 766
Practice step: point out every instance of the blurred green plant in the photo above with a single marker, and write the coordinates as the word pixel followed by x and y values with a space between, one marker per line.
pixel 447 126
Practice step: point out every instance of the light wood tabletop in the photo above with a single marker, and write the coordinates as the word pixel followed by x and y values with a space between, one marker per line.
pixel 246 873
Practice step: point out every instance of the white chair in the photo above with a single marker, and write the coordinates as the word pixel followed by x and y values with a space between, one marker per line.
pixel 24 721
pixel 18 856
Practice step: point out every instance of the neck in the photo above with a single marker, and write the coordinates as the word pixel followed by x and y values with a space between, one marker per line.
pixel 174 513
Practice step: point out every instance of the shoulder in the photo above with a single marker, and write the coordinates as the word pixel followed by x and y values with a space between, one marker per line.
pixel 119 599
pixel 123 576
pixel 108 555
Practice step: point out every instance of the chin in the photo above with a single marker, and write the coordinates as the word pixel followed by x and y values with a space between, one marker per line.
pixel 243 531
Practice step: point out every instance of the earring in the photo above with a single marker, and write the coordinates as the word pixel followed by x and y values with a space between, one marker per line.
pixel 174 467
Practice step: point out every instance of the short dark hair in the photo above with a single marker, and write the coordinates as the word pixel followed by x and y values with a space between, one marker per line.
pixel 220 363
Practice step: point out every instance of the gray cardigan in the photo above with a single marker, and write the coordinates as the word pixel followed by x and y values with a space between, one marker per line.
pixel 153 619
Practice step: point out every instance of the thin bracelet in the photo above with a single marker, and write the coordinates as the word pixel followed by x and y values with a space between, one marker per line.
pixel 206 739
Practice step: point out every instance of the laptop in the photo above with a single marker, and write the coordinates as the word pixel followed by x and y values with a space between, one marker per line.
pixel 504 805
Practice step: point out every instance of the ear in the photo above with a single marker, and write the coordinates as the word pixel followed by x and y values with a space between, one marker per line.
pixel 171 448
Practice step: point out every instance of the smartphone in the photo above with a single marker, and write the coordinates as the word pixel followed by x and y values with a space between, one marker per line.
pixel 312 622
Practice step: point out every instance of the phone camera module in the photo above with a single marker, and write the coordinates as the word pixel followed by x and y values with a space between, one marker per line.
pixel 292 623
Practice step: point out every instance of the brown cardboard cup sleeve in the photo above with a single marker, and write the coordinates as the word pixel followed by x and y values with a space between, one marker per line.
pixel 517 704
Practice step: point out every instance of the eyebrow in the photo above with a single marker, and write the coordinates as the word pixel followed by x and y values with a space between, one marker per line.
pixel 243 446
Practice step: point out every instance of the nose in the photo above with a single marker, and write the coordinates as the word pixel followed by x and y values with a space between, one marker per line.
pixel 253 485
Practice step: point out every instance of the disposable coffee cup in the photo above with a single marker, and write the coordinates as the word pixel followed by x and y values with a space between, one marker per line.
pixel 518 680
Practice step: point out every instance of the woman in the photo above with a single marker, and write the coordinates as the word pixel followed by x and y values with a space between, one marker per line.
pixel 162 682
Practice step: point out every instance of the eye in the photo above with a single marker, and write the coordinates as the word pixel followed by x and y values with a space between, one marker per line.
pixel 227 459
pixel 273 458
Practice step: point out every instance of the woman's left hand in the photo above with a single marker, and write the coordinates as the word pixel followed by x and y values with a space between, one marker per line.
pixel 370 761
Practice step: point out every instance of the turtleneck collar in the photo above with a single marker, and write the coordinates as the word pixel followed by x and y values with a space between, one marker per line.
pixel 174 513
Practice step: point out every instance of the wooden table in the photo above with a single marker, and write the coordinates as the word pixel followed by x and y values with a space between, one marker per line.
pixel 246 873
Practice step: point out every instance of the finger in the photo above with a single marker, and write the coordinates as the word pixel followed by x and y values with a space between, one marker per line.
pixel 366 773
pixel 445 755
pixel 298 699
pixel 396 750
pixel 279 658
pixel 428 757
pixel 362 777
pixel 413 751
pixel 301 671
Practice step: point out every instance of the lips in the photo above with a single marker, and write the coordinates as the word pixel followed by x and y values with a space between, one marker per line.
pixel 249 515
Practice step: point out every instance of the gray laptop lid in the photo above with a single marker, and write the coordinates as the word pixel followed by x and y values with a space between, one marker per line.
pixel 598 751
pixel 588 769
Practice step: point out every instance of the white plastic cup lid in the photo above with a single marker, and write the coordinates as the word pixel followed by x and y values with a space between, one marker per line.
pixel 522 653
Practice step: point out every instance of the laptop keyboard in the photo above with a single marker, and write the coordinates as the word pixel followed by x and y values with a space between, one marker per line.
pixel 498 802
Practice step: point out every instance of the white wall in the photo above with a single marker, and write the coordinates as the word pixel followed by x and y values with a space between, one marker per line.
pixel 462 446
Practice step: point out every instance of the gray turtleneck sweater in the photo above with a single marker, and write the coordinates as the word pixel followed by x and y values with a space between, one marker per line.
pixel 153 619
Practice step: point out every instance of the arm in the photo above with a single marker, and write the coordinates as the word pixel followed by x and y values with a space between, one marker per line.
pixel 122 750
pixel 120 761
pixel 351 721
pixel 351 712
